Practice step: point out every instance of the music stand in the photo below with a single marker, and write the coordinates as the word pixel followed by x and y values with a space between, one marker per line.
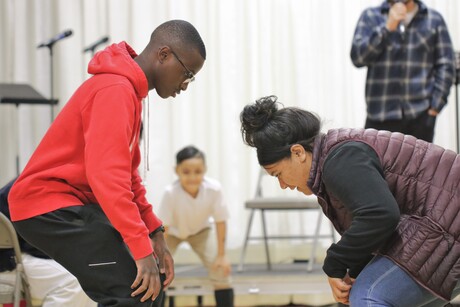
pixel 22 94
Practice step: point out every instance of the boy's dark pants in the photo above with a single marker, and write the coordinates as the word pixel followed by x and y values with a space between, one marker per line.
pixel 82 239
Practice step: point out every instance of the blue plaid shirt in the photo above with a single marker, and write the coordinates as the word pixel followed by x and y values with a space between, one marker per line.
pixel 408 73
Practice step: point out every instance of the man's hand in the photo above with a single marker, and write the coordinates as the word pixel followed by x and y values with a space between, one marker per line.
pixel 433 112
pixel 165 259
pixel 341 288
pixel 396 14
pixel 147 279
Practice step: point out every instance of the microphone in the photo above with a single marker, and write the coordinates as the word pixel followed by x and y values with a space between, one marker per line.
pixel 402 27
pixel 58 37
pixel 96 43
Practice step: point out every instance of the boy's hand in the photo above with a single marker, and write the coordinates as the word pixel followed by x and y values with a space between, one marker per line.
pixel 222 263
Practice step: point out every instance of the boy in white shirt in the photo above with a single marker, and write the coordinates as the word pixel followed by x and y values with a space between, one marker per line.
pixel 186 207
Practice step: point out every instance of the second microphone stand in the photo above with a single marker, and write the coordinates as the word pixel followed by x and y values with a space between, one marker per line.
pixel 50 48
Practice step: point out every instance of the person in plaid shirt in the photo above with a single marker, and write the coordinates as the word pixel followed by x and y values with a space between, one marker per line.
pixel 410 59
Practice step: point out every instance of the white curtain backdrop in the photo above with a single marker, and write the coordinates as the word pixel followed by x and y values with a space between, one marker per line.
pixel 295 49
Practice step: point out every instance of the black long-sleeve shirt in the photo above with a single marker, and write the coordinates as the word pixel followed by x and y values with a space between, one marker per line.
pixel 353 174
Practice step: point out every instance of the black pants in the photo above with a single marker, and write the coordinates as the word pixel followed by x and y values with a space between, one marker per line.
pixel 82 240
pixel 422 127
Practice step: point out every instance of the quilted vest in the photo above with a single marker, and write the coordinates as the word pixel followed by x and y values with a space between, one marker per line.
pixel 424 179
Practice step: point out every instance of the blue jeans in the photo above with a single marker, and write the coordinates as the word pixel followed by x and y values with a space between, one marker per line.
pixel 383 283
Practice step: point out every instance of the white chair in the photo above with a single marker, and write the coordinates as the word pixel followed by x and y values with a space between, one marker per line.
pixel 17 289
pixel 259 202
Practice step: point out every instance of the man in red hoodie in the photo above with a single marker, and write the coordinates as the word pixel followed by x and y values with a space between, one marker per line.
pixel 80 198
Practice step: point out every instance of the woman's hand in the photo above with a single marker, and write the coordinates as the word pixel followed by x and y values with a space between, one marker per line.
pixel 341 288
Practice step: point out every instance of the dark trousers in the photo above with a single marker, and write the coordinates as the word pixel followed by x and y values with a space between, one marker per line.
pixel 82 239
pixel 422 127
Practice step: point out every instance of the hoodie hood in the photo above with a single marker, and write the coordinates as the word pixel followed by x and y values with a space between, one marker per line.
pixel 118 59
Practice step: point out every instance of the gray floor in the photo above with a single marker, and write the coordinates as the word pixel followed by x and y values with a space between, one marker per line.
pixel 287 284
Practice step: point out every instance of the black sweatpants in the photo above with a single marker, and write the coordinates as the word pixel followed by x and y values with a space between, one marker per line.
pixel 82 240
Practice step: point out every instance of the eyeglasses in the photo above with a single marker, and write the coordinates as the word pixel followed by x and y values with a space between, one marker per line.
pixel 190 76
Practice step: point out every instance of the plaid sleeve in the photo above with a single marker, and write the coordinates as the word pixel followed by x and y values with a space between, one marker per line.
pixel 444 68
pixel 369 39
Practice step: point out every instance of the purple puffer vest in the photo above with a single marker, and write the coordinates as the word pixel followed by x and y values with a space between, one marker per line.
pixel 424 179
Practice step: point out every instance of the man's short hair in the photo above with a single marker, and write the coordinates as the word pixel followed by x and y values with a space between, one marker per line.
pixel 179 34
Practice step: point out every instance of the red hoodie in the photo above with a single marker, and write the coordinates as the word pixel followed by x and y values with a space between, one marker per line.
pixel 90 154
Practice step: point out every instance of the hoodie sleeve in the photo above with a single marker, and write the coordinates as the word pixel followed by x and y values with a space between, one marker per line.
pixel 145 208
pixel 108 123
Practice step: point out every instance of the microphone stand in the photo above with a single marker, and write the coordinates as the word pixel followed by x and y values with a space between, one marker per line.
pixel 457 84
pixel 50 45
pixel 93 51
pixel 93 47
pixel 50 48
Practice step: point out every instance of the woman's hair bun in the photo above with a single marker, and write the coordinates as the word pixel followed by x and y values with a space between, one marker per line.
pixel 255 116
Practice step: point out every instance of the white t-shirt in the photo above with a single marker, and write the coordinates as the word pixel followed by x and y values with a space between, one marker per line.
pixel 185 215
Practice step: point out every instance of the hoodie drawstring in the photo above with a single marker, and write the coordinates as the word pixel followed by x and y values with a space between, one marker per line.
pixel 146 139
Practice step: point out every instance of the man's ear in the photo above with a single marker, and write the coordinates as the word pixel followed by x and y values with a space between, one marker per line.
pixel 297 151
pixel 163 53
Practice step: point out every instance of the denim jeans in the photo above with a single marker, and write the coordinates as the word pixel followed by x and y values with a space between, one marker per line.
pixel 383 283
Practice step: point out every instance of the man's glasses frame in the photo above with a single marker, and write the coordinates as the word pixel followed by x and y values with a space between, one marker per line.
pixel 190 75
